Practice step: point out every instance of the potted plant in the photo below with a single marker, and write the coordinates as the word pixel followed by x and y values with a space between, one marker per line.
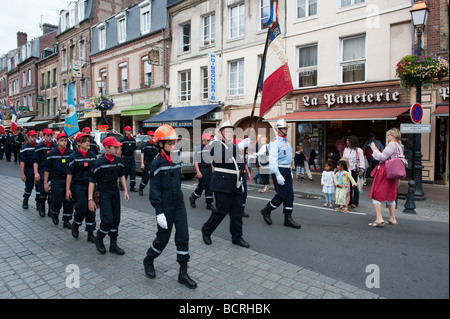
pixel 103 103
pixel 421 70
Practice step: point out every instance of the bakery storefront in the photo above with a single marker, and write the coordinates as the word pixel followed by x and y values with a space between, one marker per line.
pixel 328 114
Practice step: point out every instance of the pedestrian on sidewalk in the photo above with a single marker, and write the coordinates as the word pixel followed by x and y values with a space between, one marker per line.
pixel 357 165
pixel 55 171
pixel 264 168
pixel 148 154
pixel 128 155
pixel 167 199
pixel 105 173
pixel 81 163
pixel 26 160
pixel 327 182
pixel 203 168
pixel 384 189
pixel 299 163
pixel 280 162
pixel 227 185
pixel 307 148
pixel 41 151
pixel 342 181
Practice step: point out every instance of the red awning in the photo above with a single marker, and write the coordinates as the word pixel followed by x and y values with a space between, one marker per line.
pixel 362 114
pixel 441 110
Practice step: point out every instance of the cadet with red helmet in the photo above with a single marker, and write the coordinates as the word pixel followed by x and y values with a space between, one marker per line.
pixel 56 172
pixel 105 173
pixel 93 146
pixel 167 199
pixel 26 156
pixel 40 158
pixel 148 154
pixel 128 155
pixel 202 162
pixel 81 163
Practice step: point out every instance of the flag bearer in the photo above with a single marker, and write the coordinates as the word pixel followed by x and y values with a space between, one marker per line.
pixel 128 155
pixel 40 158
pixel 148 154
pixel 56 172
pixel 167 199
pixel 227 185
pixel 202 162
pixel 280 162
pixel 26 156
pixel 81 163
pixel 107 169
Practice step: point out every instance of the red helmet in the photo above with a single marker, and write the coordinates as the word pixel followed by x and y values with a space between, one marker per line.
pixel 165 133
pixel 61 135
pixel 150 133
pixel 127 128
pixel 30 133
pixel 206 136
pixel 80 135
pixel 237 141
pixel 86 130
pixel 47 131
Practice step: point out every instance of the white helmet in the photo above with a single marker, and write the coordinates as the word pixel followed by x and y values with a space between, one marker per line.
pixel 226 124
pixel 281 124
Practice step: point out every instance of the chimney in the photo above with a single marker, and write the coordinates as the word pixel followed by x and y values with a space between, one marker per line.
pixel 47 28
pixel 22 39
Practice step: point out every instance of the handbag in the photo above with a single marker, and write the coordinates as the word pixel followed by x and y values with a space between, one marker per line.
pixel 395 168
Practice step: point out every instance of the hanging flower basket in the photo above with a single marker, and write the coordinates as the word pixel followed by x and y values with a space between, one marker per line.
pixel 420 70
pixel 103 103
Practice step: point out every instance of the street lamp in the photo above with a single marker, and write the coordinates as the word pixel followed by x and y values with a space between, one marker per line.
pixel 101 85
pixel 419 16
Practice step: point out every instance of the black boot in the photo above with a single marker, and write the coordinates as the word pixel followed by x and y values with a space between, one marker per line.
pixel 91 237
pixel 42 208
pixel 192 201
pixel 133 189
pixel 75 232
pixel 113 248
pixel 289 222
pixel 266 215
pixel 183 277
pixel 55 217
pixel 210 206
pixel 99 245
pixel 25 203
pixel 141 191
pixel 38 205
pixel 67 224
pixel 149 267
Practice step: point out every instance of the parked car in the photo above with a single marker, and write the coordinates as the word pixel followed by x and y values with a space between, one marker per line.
pixel 187 166
pixel 100 136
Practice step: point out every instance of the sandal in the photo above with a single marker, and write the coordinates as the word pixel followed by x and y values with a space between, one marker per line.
pixel 337 210
pixel 353 205
pixel 391 223
pixel 376 224
pixel 345 210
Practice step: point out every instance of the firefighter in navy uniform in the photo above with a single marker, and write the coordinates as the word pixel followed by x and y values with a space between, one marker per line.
pixel 56 172
pixel 280 162
pixel 93 146
pixel 107 169
pixel 40 157
pixel 81 163
pixel 148 154
pixel 202 162
pixel 128 155
pixel 167 199
pixel 227 185
pixel 26 160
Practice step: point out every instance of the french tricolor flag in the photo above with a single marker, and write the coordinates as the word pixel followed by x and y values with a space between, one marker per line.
pixel 276 79
pixel 14 121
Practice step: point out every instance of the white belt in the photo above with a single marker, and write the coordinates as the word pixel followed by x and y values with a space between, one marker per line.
pixel 225 170
pixel 284 166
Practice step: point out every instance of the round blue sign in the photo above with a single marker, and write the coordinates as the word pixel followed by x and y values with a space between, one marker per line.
pixel 416 113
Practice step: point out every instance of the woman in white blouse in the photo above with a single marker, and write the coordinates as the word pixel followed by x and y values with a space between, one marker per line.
pixel 355 156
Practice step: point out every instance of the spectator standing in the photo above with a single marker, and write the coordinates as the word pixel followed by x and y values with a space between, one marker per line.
pixel 357 165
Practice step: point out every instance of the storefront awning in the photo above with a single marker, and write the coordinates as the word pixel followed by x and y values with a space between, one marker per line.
pixel 36 123
pixel 141 109
pixel 179 116
pixel 61 124
pixel 360 114
pixel 24 120
pixel 441 110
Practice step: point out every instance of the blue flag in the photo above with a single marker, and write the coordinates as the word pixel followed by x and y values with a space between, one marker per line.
pixel 71 122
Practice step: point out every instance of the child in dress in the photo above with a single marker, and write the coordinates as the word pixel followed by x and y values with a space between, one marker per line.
pixel 299 162
pixel 327 183
pixel 341 181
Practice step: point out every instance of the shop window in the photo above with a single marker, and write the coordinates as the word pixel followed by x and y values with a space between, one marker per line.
pixel 316 137
pixel 353 64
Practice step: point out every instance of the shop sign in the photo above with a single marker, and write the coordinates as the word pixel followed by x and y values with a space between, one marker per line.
pixel 331 99
pixel 444 93
pixel 212 76
pixel 415 128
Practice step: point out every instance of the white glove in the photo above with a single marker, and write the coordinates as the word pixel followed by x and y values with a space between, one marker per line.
pixel 162 221
pixel 280 180
pixel 244 144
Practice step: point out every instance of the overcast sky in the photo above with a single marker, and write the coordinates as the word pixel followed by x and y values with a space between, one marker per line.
pixel 25 16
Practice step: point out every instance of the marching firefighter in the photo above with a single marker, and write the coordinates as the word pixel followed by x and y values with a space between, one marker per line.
pixel 26 156
pixel 167 199
pixel 280 161
pixel 41 151
pixel 105 173
pixel 148 154
pixel 81 163
pixel 227 185
pixel 128 155
pixel 93 146
pixel 55 171
pixel 202 162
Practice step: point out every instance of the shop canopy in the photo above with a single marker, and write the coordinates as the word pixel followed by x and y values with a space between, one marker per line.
pixel 23 120
pixel 36 123
pixel 179 116
pixel 441 110
pixel 141 109
pixel 361 114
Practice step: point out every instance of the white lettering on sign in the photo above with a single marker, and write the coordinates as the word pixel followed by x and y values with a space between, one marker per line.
pixel 331 99
pixel 444 93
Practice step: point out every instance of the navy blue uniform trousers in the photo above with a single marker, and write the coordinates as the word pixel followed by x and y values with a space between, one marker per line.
pixel 284 193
